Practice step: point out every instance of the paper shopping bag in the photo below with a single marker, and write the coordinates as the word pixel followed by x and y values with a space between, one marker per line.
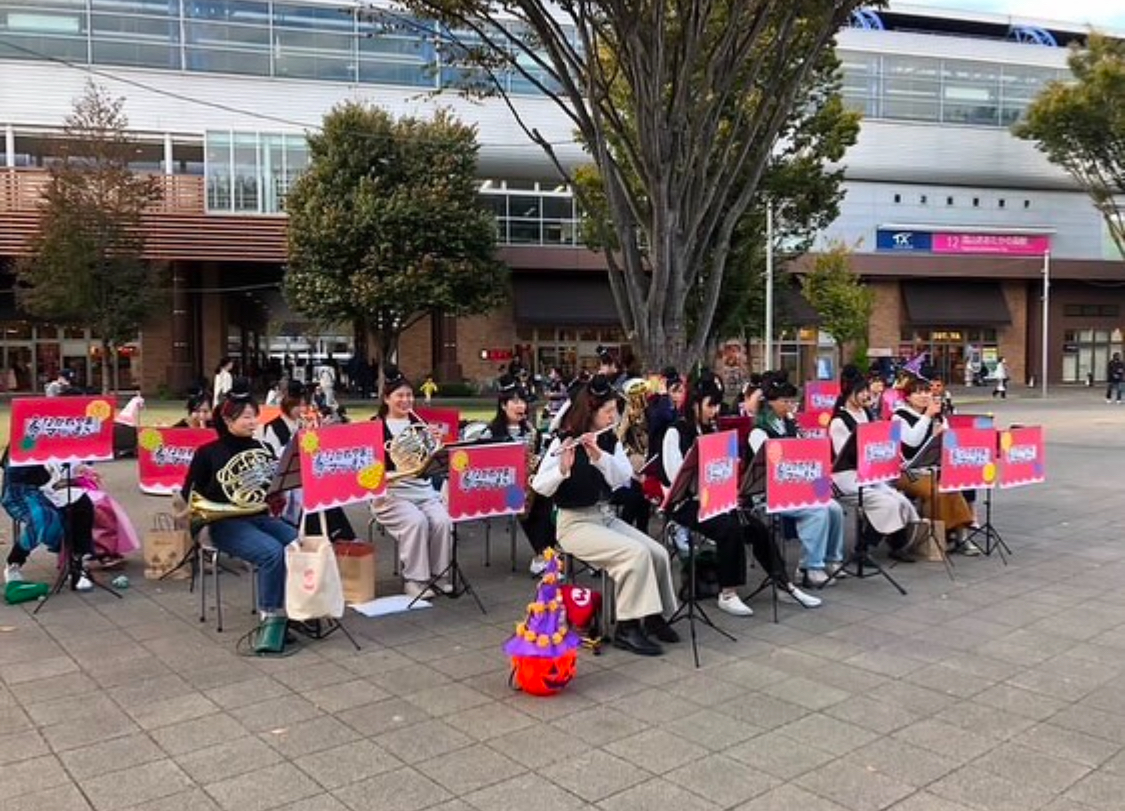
pixel 356 561
pixel 165 547
pixel 312 584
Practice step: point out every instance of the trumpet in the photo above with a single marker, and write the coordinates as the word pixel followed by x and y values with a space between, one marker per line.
pixel 574 442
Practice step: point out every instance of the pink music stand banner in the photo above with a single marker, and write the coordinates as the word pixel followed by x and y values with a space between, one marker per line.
pixel 797 474
pixel 63 430
pixel 814 425
pixel 820 395
pixel 958 421
pixel 164 456
pixel 878 456
pixel 718 473
pixel 1023 459
pixel 889 402
pixel 968 459
pixel 486 481
pixel 341 464
pixel 447 420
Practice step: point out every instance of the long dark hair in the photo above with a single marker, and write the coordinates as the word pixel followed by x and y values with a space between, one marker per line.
pixel 576 421
pixel 223 361
pixel 509 390
pixel 702 392
pixel 851 381
pixel 393 380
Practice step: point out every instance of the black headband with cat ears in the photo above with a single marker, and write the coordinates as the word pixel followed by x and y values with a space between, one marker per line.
pixel 599 387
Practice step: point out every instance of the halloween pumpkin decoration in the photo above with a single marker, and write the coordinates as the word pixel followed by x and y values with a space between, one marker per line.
pixel 543 649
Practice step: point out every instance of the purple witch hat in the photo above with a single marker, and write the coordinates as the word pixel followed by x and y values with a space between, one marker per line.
pixel 914 366
pixel 545 632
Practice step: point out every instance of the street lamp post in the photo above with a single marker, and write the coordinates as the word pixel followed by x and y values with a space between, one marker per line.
pixel 769 286
pixel 1046 319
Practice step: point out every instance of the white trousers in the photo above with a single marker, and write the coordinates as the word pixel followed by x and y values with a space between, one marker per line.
pixel 424 533
pixel 638 565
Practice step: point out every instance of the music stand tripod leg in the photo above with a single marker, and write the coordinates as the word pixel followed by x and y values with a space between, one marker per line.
pixel 861 556
pixel 71 566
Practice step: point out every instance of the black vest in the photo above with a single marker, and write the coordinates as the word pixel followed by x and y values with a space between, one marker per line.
pixel 770 427
pixel 585 486
pixel 846 459
pixel 281 430
pixel 911 419
pixel 687 435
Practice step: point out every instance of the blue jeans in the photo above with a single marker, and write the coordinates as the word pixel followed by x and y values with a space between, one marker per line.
pixel 260 540
pixel 821 531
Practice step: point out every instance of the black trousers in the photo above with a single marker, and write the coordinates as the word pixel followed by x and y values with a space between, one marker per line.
pixel 538 525
pixel 732 532
pixel 336 525
pixel 635 509
pixel 78 523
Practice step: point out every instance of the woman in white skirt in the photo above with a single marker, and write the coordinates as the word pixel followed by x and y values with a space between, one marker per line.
pixel 888 512
pixel 580 469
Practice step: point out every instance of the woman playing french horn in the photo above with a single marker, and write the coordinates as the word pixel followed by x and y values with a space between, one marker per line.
pixel 511 423
pixel 411 509
pixel 226 489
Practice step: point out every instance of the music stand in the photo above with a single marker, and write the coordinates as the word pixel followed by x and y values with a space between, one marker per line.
pixel 993 541
pixel 683 489
pixel 288 477
pixel 436 465
pixel 71 567
pixel 860 556
pixel 751 492
pixel 929 456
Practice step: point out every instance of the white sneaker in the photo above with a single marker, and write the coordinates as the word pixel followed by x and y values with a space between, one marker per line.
pixel 801 598
pixel 817 578
pixel 415 590
pixel 84 584
pixel 732 604
pixel 13 573
pixel 538 566
pixel 836 570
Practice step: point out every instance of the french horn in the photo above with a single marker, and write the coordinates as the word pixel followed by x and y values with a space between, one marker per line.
pixel 410 450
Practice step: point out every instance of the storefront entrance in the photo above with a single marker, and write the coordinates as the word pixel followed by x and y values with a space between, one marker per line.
pixel 572 349
pixel 954 353
pixel 1086 354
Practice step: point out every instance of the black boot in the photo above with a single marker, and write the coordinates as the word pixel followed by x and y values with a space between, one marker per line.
pixel 657 626
pixel 631 637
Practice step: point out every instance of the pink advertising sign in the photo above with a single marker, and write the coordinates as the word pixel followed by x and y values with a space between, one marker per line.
pixel 889 402
pixel 820 395
pixel 448 421
pixel 164 456
pixel 718 473
pixel 797 474
pixel 342 464
pixel 1005 244
pixel 877 452
pixel 814 424
pixel 63 430
pixel 487 481
pixel 1022 457
pixel 968 459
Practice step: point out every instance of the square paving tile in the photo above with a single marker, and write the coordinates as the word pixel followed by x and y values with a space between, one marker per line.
pixel 400 790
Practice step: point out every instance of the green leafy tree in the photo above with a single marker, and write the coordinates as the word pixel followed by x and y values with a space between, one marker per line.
pixel 1080 126
pixel 385 227
pixel 86 265
pixel 680 105
pixel 837 294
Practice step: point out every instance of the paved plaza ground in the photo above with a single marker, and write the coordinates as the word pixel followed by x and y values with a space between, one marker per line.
pixel 998 690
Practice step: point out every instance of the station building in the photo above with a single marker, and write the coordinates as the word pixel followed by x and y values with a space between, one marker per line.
pixel 951 215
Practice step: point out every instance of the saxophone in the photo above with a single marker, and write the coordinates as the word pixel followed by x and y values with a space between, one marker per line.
pixel 534 458
pixel 632 429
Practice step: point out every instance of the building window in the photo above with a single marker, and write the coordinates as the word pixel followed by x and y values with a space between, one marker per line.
pixel 1091 311
pixel 1086 353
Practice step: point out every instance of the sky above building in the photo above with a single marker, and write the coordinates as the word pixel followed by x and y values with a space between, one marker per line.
pixel 1107 13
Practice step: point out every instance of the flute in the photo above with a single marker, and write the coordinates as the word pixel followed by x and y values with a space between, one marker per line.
pixel 574 442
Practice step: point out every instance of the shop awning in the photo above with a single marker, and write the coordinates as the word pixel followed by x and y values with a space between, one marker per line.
pixel 953 304
pixel 794 309
pixel 566 301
